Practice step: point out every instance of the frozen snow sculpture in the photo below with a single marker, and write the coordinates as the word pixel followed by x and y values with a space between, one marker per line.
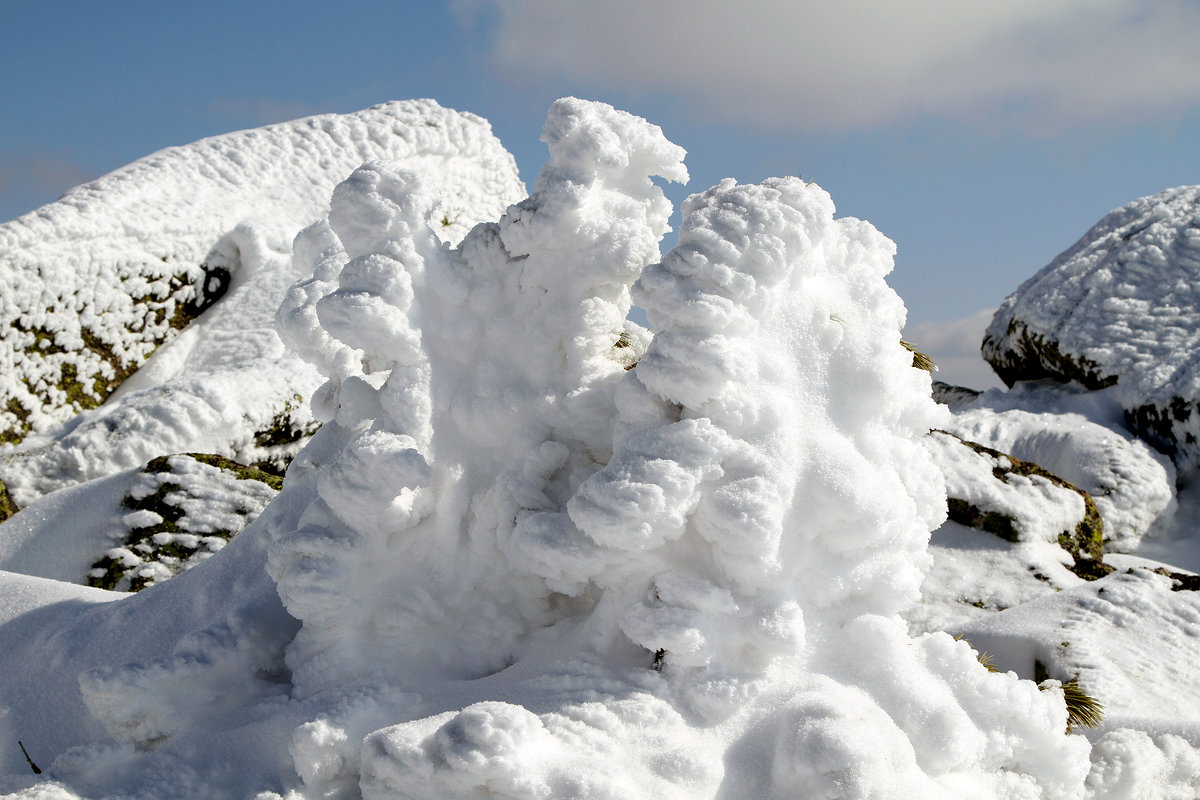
pixel 546 554
pixel 1120 307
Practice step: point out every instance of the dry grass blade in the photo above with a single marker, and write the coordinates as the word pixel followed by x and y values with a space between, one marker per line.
pixel 920 360
pixel 1083 710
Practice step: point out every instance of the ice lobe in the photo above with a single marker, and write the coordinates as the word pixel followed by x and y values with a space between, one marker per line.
pixel 90 285
pixel 1121 306
pixel 564 575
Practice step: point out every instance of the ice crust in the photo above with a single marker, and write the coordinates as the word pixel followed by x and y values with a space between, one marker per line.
pixel 1122 306
pixel 535 551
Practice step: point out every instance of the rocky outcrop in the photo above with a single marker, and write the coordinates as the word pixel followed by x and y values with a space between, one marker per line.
pixel 1120 308
pixel 1019 501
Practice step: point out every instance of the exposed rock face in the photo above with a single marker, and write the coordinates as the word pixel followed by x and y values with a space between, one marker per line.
pixel 1119 308
pixel 92 284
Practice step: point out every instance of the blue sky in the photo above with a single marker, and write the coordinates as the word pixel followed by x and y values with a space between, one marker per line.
pixel 982 137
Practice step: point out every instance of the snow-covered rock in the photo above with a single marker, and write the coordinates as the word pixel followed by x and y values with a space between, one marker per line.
pixel 1132 485
pixel 1121 308
pixel 91 284
pixel 226 384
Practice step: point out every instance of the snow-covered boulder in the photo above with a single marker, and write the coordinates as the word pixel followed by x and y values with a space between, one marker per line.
pixel 137 527
pixel 92 284
pixel 226 384
pixel 1132 486
pixel 179 511
pixel 1019 501
pixel 1121 308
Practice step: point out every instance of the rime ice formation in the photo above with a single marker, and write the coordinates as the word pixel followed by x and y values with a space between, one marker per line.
pixel 536 551
pixel 72 273
pixel 1121 306
pixel 714 540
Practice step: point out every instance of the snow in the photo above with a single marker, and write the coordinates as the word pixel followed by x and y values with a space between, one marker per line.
pixel 536 550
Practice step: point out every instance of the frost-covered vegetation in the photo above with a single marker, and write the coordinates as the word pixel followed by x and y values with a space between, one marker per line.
pixel 526 548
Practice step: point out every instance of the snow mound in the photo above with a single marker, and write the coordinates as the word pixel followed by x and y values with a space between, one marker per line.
pixel 1120 307
pixel 90 285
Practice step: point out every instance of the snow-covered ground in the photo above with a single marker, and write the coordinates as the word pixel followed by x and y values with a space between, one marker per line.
pixel 536 550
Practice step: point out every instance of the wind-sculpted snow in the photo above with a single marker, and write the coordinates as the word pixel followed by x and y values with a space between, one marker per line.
pixel 90 285
pixel 721 536
pixel 1121 306
pixel 535 551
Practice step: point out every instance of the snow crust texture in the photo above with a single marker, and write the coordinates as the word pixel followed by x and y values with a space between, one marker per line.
pixel 90 285
pixel 1120 307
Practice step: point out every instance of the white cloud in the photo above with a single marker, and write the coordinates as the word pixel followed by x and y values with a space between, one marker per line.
pixel 859 63
pixel 954 347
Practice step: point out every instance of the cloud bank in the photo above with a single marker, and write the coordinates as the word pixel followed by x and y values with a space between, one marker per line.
pixel 858 64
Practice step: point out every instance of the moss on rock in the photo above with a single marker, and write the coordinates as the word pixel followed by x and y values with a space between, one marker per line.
pixel 181 510
pixel 69 358
pixel 7 506
pixel 1023 355
pixel 277 444
pixel 1084 543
